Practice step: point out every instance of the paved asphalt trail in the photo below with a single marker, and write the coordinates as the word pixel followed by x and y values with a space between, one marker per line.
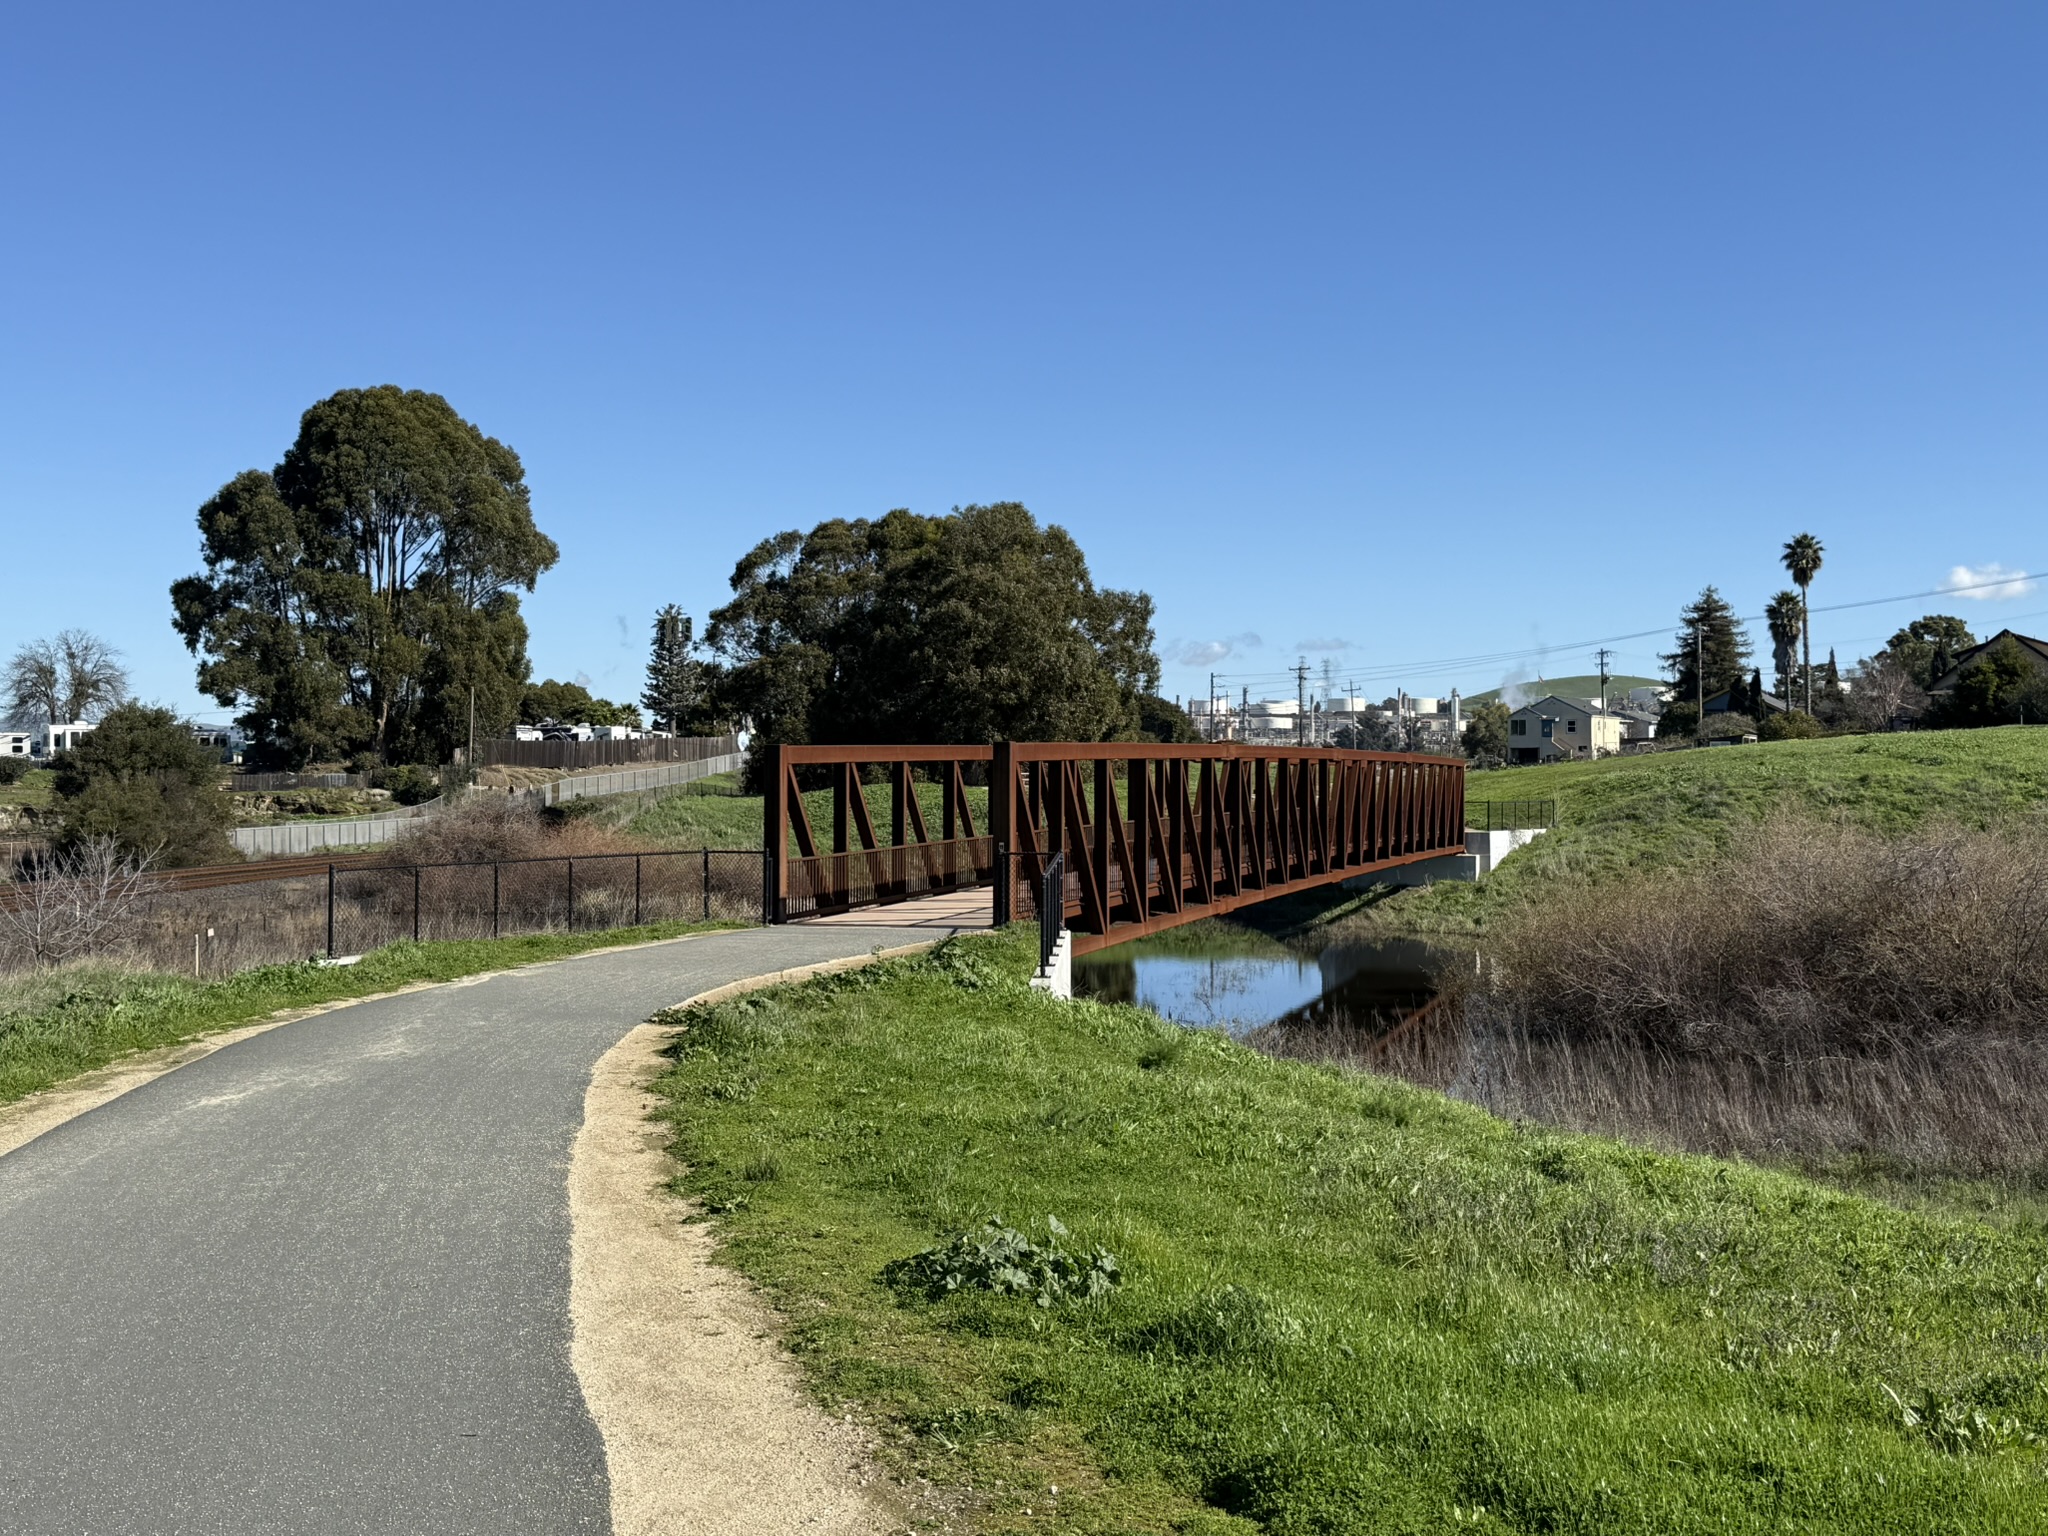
pixel 319 1280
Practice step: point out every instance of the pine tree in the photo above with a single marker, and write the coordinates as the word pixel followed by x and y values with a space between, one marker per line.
pixel 675 680
pixel 1710 651
pixel 1756 694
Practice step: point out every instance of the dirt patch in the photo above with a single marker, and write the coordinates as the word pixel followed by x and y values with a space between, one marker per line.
pixel 706 1424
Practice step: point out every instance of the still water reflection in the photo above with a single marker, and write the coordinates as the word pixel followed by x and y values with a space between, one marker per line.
pixel 1367 986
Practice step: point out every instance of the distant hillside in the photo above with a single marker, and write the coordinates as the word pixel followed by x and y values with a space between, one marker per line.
pixel 1569 687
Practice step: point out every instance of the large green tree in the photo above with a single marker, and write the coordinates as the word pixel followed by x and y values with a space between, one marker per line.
pixel 141 779
pixel 1709 653
pixel 977 626
pixel 1927 648
pixel 356 597
pixel 572 704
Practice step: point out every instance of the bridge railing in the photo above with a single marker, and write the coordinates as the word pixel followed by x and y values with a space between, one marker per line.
pixel 1157 835
pixel 857 826
pixel 1509 815
pixel 1151 835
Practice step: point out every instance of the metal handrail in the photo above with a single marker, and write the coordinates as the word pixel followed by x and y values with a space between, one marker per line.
pixel 1052 908
pixel 1509 815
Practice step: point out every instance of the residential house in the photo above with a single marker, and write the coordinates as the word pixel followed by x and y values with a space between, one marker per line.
pixel 17 743
pixel 2031 650
pixel 55 738
pixel 1554 727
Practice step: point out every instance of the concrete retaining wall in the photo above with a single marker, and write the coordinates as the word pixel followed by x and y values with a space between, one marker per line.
pixel 303 837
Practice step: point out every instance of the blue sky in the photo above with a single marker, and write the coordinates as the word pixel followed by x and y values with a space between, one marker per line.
pixel 1388 334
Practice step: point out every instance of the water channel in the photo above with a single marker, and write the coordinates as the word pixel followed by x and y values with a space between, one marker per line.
pixel 1240 983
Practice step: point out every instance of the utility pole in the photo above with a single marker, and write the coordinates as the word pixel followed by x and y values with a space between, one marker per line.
pixel 1699 676
pixel 1244 716
pixel 1301 701
pixel 1209 709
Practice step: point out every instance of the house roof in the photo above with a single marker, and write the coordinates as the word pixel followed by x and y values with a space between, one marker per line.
pixel 1574 705
pixel 2035 651
pixel 1771 700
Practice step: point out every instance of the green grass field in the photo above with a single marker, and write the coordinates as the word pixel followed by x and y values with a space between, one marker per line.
pixel 713 814
pixel 58 1024
pixel 1348 1306
pixel 31 789
pixel 1667 809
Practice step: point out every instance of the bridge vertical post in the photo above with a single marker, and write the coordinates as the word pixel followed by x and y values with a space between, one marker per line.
pixel 1138 793
pixel 1002 806
pixel 1105 807
pixel 900 789
pixel 775 836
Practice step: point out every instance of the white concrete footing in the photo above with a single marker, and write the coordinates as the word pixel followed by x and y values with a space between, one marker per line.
pixel 1058 975
pixel 1482 855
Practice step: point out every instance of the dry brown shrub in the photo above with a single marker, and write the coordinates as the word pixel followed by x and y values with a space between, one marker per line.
pixel 1807 938
pixel 1823 993
pixel 501 828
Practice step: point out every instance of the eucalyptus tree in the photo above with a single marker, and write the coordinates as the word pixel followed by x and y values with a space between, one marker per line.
pixel 977 626
pixel 363 594
pixel 1802 558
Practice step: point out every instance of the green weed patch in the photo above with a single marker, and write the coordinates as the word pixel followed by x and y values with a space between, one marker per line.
pixel 57 1025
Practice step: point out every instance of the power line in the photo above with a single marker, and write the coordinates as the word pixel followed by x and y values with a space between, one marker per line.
pixel 1496 658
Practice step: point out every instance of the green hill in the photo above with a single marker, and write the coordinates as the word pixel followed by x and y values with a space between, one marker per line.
pixel 1587 687
pixel 1669 808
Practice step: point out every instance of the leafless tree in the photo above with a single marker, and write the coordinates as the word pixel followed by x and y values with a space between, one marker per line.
pixel 76 676
pixel 68 907
pixel 1883 689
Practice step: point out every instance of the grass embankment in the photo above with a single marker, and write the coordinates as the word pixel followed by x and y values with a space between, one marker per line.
pixel 1349 1305
pixel 57 1025
pixel 33 789
pixel 1672 809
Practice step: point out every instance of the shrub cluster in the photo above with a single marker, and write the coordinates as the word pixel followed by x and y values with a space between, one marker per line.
pixel 1808 937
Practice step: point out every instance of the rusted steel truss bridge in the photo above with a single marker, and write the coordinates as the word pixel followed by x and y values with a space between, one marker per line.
pixel 1154 836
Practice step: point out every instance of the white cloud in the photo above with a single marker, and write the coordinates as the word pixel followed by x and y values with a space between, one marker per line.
pixel 1206 653
pixel 1991 583
pixel 1327 643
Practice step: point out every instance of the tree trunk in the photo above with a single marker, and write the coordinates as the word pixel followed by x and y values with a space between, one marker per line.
pixel 1806 646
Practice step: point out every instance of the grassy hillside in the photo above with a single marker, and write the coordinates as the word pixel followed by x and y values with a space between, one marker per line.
pixel 712 813
pixel 1586 687
pixel 1673 808
pixel 1347 1305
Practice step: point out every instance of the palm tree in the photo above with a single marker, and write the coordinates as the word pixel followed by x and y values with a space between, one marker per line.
pixel 1802 560
pixel 1784 616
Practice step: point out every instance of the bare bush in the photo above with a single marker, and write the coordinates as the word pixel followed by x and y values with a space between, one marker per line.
pixel 502 828
pixel 73 905
pixel 1823 993
pixel 1807 938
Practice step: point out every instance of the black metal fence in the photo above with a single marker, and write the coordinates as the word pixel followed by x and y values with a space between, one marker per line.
pixel 1052 914
pixel 372 905
pixel 1509 815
